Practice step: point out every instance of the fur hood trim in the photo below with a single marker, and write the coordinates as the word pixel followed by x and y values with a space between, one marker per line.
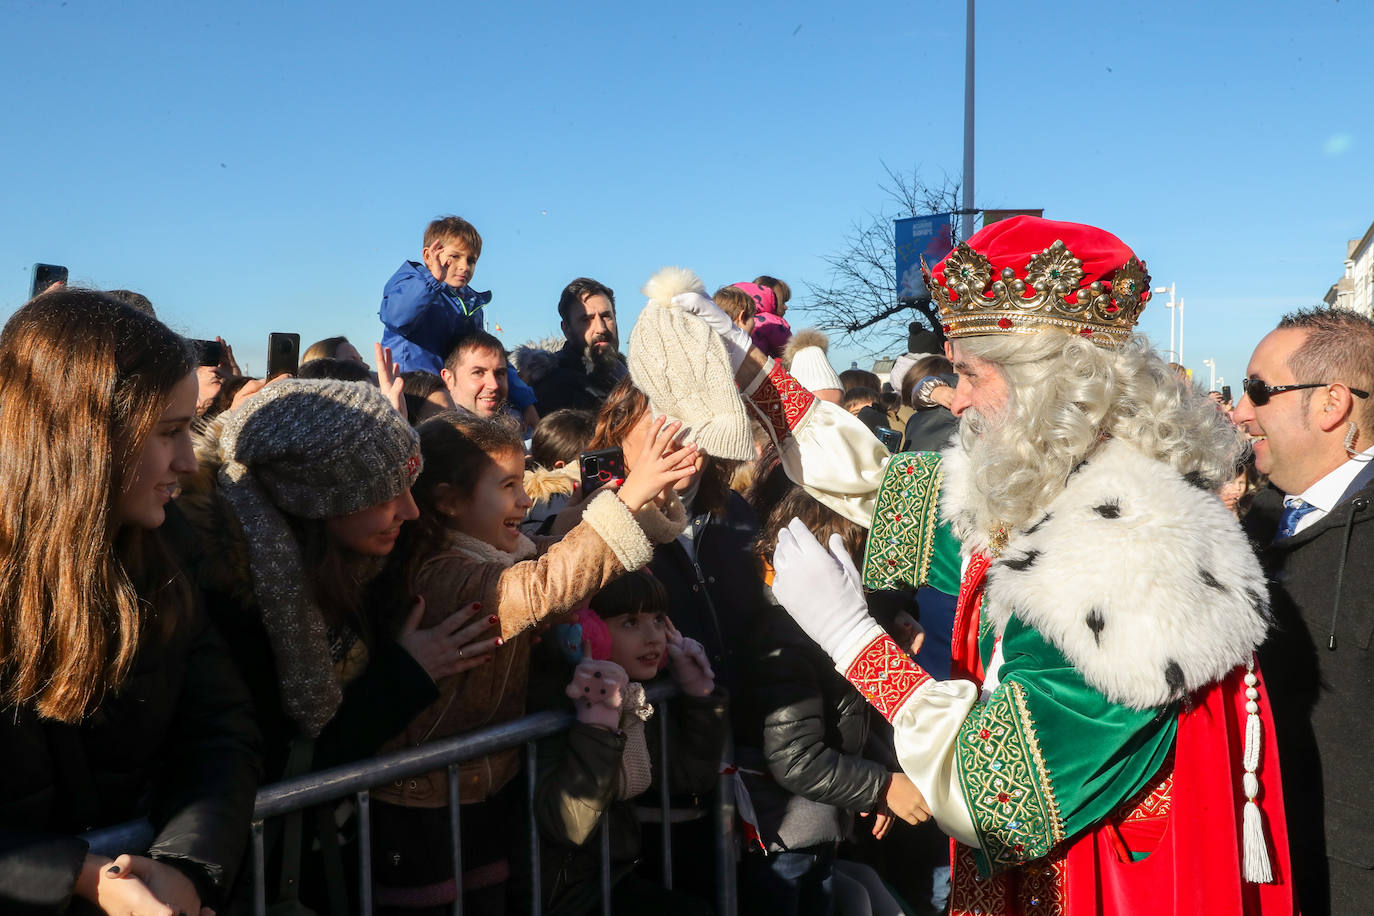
pixel 806 337
pixel 1144 581
pixel 542 484
pixel 533 364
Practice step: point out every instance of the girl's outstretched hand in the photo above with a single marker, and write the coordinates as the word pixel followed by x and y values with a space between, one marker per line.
pixel 661 462
pixel 688 663
pixel 455 644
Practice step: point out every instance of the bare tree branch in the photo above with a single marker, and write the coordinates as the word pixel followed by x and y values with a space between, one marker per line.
pixel 860 298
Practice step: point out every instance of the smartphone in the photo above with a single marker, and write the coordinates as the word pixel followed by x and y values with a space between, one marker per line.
pixel 208 352
pixel 283 354
pixel 45 275
pixel 889 437
pixel 1226 393
pixel 599 468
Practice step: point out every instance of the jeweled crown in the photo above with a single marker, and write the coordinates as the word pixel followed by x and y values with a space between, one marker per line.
pixel 1051 296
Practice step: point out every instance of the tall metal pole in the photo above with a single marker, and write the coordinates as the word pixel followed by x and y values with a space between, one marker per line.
pixel 967 222
pixel 1180 332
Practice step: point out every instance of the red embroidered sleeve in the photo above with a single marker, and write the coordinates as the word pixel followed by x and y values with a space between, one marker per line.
pixel 781 401
pixel 885 675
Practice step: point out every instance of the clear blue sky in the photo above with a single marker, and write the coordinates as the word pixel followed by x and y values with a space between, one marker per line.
pixel 255 166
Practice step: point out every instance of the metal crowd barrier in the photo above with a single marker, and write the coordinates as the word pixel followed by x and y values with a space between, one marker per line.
pixel 357 779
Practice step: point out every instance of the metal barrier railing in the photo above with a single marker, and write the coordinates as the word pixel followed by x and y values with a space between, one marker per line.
pixel 357 779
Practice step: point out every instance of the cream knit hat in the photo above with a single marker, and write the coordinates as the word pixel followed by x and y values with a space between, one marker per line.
pixel 679 362
pixel 813 371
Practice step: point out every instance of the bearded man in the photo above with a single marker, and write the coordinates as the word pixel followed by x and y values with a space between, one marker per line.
pixel 590 363
pixel 1102 745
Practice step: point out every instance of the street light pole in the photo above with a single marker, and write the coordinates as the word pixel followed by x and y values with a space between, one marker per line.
pixel 1180 331
pixel 1212 381
pixel 966 224
pixel 1173 354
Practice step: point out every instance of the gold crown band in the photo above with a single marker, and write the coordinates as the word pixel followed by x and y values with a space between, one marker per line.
pixel 972 303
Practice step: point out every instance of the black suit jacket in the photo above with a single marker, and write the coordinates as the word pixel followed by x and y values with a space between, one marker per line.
pixel 1320 681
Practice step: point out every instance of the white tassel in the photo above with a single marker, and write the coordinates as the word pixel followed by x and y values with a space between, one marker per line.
pixel 1255 865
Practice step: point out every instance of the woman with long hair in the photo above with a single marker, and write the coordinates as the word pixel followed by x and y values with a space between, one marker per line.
pixel 119 700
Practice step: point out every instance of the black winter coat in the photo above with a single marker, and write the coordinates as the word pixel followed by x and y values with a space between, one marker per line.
pixel 717 597
pixel 1320 694
pixel 569 385
pixel 177 745
pixel 807 726
pixel 575 795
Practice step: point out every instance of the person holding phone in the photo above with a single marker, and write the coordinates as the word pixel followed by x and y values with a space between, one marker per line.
pixel 119 700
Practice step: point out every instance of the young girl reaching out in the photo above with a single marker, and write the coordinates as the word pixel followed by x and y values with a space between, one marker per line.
pixel 589 775
pixel 467 546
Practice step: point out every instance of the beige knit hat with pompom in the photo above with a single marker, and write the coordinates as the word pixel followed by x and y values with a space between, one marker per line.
pixel 677 360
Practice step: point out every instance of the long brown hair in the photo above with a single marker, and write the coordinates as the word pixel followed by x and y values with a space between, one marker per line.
pixel 778 500
pixel 623 408
pixel 83 381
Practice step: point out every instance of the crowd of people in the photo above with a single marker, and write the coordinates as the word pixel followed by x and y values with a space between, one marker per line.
pixel 1032 625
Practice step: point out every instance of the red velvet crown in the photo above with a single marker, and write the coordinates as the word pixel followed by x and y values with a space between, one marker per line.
pixel 1028 274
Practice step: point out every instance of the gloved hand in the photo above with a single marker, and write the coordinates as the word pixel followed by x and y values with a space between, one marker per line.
pixel 823 592
pixel 687 661
pixel 737 343
pixel 596 691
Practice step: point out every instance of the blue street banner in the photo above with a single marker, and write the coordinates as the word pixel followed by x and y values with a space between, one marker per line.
pixel 929 237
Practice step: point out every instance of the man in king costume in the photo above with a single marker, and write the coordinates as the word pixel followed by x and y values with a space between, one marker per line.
pixel 1104 746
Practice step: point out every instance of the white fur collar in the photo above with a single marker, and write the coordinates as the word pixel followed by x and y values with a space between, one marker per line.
pixel 479 550
pixel 1145 582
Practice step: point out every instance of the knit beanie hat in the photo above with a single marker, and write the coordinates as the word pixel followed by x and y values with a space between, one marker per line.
pixel 813 371
pixel 312 449
pixel 679 362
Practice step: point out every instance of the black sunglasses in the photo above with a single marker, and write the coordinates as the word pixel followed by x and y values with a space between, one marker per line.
pixel 1259 393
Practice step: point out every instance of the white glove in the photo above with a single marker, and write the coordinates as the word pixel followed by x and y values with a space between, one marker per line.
pixel 737 343
pixel 823 592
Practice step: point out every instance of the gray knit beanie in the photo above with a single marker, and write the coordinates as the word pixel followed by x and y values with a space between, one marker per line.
pixel 679 362
pixel 312 449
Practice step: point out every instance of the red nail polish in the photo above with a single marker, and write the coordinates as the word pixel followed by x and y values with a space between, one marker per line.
pixel 476 605
pixel 500 641
pixel 493 619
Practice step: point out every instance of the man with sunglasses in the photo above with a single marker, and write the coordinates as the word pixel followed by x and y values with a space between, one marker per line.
pixel 1308 411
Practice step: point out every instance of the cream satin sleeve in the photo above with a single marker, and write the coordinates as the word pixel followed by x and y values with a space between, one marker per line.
pixel 822 446
pixel 927 716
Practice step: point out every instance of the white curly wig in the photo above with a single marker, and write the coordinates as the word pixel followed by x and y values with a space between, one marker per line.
pixel 1066 394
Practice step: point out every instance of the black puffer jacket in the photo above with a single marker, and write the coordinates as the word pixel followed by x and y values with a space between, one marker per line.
pixel 715 597
pixel 1319 672
pixel 805 726
pixel 177 745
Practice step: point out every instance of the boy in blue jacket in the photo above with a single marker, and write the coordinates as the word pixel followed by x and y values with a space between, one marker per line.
pixel 428 307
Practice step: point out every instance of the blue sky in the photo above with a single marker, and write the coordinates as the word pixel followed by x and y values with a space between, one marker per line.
pixel 257 167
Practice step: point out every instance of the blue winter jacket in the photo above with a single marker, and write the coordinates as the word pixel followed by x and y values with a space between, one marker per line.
pixel 423 318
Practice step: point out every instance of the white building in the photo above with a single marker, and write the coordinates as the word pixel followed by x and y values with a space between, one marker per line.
pixel 1355 290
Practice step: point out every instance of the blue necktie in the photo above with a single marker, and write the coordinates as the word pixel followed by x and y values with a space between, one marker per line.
pixel 1290 517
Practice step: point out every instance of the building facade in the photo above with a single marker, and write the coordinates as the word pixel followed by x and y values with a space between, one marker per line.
pixel 1355 290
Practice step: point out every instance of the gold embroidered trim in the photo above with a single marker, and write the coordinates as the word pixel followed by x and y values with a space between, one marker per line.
pixel 906 512
pixel 1006 785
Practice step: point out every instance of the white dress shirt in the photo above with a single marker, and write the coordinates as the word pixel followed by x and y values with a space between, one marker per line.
pixel 1325 493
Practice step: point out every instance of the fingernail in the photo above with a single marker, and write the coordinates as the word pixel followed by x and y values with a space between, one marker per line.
pixel 493 618
pixel 500 641
pixel 112 870
pixel 476 605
